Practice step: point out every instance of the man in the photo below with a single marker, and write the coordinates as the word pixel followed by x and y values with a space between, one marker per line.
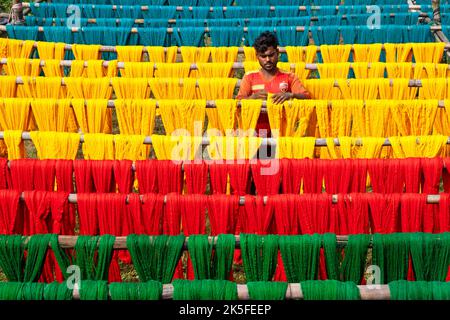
pixel 269 79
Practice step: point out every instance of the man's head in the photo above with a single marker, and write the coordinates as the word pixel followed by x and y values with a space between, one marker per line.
pixel 266 47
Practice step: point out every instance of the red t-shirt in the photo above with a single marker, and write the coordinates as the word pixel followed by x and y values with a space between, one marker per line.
pixel 254 81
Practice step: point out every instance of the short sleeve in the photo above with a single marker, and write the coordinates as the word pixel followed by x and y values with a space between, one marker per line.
pixel 297 86
pixel 245 89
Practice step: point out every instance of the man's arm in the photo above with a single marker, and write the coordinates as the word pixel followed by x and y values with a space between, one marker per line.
pixel 245 89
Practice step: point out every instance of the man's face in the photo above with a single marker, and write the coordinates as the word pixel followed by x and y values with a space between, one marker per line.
pixel 268 59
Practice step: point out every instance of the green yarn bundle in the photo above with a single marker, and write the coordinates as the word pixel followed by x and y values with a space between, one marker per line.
pixel 155 257
pixel 331 257
pixel 329 290
pixel 266 290
pixel 391 253
pixel 150 290
pixel 10 290
pixel 94 262
pixel 12 257
pixel 204 290
pixel 259 256
pixel 352 267
pixel 211 261
pixel 93 290
pixel 419 290
pixel 57 291
pixel 300 256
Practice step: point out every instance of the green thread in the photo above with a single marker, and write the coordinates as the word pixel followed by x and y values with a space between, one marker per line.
pixel 200 251
pixel 12 257
pixel 265 290
pixel 331 257
pixel 259 256
pixel 352 267
pixel 300 256
pixel 37 247
pixel 105 253
pixel 204 290
pixel 211 261
pixel 151 290
pixel 60 255
pixel 10 290
pixel 329 290
pixel 409 290
pixel 57 291
pixel 421 246
pixel 156 257
pixel 93 290
pixel 441 290
pixel 441 257
pixel 32 291
pixel 430 256
pixel 87 253
pixel 85 250
pixel 391 253
pixel 224 253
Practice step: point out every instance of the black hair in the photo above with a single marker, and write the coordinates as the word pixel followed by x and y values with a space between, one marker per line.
pixel 264 41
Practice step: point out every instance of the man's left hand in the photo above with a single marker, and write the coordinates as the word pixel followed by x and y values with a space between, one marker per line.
pixel 281 97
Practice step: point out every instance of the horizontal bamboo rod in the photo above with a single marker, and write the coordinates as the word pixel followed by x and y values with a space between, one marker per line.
pixel 142 21
pixel 19 80
pixel 120 243
pixel 121 65
pixel 293 292
pixel 211 9
pixel 73 198
pixel 320 142
pixel 136 30
pixel 194 66
pixel 212 103
pixel 133 168
pixel 68 47
pixel 415 83
pixel 206 29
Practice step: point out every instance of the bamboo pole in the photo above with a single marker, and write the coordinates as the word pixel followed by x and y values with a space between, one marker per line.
pixel 68 47
pixel 212 103
pixel 136 30
pixel 120 243
pixel 225 8
pixel 174 21
pixel 293 292
pixel 19 80
pixel 194 66
pixel 206 29
pixel 415 83
pixel 73 198
pixel 320 142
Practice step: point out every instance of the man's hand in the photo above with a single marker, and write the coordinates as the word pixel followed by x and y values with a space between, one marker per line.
pixel 281 97
pixel 262 95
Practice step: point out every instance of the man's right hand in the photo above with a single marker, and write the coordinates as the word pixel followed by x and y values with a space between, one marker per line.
pixel 262 94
